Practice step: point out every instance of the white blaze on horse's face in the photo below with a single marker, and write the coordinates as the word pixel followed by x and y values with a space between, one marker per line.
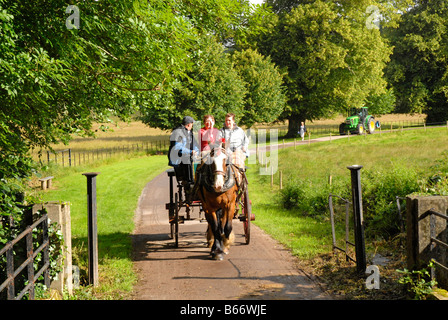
pixel 219 161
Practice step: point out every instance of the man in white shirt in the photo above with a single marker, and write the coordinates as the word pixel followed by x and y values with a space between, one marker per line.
pixel 235 137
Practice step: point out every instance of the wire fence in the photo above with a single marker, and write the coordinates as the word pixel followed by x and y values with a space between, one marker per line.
pixel 77 157
pixel 327 129
pixel 73 157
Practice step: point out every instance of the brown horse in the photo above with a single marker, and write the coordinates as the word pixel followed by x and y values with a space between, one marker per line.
pixel 218 181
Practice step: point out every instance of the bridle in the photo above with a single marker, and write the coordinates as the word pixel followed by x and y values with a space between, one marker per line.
pixel 219 172
pixel 207 173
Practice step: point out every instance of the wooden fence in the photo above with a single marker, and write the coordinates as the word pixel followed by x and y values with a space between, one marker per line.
pixel 71 157
pixel 74 157
pixel 12 274
pixel 326 129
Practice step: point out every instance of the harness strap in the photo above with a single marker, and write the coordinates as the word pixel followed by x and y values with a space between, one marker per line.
pixel 203 174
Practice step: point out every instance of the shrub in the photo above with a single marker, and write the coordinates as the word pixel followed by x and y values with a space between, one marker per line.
pixel 380 189
pixel 419 283
pixel 310 197
pixel 292 195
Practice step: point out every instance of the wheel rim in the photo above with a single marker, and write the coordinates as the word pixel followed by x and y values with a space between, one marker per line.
pixel 247 213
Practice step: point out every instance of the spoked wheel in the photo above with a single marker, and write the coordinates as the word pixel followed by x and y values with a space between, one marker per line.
pixel 175 221
pixel 247 215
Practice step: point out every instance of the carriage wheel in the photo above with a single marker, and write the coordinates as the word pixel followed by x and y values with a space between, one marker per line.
pixel 175 224
pixel 170 207
pixel 247 210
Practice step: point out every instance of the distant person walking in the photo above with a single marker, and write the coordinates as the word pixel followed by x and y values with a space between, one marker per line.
pixel 302 130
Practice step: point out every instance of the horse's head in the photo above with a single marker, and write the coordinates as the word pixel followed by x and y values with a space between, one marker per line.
pixel 218 158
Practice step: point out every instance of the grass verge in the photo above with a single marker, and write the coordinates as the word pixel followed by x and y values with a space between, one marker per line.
pixel 413 154
pixel 119 186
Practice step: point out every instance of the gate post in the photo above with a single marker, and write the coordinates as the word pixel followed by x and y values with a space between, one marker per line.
pixel 92 227
pixel 360 248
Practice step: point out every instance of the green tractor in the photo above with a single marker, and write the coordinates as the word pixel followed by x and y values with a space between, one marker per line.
pixel 359 122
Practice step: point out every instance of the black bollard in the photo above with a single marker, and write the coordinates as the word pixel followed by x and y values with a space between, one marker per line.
pixel 360 247
pixel 92 227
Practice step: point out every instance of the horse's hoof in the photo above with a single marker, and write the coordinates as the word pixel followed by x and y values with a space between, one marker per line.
pixel 217 256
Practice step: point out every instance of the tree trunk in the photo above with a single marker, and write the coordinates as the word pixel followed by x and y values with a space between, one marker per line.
pixel 294 121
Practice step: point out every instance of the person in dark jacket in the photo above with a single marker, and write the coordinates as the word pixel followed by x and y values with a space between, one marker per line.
pixel 182 147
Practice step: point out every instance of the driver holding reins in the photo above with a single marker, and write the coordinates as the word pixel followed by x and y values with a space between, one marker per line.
pixel 182 147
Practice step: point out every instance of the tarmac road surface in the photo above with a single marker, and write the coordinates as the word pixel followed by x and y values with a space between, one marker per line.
pixel 264 269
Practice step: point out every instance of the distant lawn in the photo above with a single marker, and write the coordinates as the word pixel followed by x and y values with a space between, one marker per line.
pixel 119 186
pixel 308 236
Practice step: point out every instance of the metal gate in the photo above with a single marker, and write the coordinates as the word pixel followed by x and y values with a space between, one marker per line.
pixel 347 226
pixel 12 273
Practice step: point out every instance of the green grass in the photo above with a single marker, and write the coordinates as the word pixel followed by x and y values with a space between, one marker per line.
pixel 119 186
pixel 121 181
pixel 416 151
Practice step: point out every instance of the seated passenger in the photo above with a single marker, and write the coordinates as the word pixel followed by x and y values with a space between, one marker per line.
pixel 236 141
pixel 182 147
pixel 209 136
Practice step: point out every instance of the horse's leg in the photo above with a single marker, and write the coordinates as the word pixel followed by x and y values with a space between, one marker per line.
pixel 229 236
pixel 213 223
pixel 210 238
pixel 211 220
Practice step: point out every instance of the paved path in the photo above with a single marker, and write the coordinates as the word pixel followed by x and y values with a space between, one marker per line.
pixel 261 270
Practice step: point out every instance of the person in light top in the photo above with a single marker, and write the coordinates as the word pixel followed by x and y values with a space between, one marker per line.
pixel 235 139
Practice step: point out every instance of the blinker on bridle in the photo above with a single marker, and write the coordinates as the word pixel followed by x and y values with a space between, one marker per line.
pixel 218 172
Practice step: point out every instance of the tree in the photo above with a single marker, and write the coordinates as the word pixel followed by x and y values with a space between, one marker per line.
pixel 383 103
pixel 211 86
pixel 121 53
pixel 285 6
pixel 29 80
pixel 332 61
pixel 418 69
pixel 55 82
pixel 265 99
pixel 222 18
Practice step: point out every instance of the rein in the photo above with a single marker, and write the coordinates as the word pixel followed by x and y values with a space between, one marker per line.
pixel 205 173
pixel 220 173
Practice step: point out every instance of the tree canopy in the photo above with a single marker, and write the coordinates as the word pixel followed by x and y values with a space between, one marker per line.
pixel 331 60
pixel 265 99
pixel 419 67
pixel 211 86
pixel 157 59
pixel 287 59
